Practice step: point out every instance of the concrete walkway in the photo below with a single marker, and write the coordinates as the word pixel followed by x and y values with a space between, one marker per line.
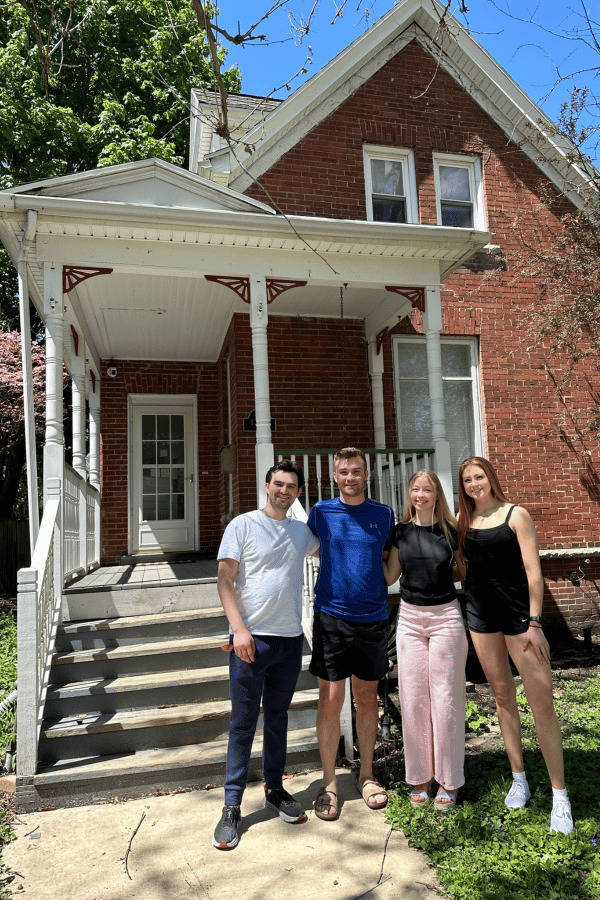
pixel 79 853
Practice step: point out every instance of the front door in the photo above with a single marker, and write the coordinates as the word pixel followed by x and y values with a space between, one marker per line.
pixel 163 475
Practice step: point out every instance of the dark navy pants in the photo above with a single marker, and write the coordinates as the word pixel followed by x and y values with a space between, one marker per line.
pixel 271 677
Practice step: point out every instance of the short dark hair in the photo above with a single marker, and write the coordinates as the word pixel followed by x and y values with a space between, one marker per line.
pixel 349 453
pixel 286 465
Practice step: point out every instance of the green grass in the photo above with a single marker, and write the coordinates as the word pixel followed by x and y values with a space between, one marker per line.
pixel 484 851
pixel 8 676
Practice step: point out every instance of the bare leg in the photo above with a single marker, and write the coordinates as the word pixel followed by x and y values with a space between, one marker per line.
pixel 367 720
pixel 493 656
pixel 331 700
pixel 537 682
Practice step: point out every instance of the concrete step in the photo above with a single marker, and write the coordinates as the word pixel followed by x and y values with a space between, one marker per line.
pixel 106 695
pixel 180 653
pixel 158 771
pixel 128 731
pixel 125 630
pixel 112 601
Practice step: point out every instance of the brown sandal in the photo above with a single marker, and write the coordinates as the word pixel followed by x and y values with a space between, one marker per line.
pixel 325 801
pixel 369 788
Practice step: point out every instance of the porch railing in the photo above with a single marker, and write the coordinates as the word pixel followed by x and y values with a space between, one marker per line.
pixel 389 473
pixel 81 524
pixel 39 602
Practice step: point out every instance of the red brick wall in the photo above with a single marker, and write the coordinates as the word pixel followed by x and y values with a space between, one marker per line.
pixel 544 464
pixel 136 377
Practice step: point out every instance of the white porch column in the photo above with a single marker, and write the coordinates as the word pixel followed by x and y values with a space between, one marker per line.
pixel 54 449
pixel 432 326
pixel 376 368
pixel 30 445
pixel 94 430
pixel 78 402
pixel 264 454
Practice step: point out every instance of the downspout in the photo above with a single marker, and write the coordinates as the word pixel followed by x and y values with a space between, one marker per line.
pixel 30 454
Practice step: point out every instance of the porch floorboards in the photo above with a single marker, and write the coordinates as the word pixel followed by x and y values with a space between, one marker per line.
pixel 151 574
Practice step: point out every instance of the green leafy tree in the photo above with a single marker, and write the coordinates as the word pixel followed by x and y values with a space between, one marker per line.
pixel 90 84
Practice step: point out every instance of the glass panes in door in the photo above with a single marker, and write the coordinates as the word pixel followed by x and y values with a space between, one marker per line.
pixel 163 476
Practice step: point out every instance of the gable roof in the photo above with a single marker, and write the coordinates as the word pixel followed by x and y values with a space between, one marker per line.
pixel 456 52
pixel 142 183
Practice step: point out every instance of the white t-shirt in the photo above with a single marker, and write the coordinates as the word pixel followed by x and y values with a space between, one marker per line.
pixel 271 555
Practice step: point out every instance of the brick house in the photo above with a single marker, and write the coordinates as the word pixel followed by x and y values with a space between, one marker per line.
pixel 344 283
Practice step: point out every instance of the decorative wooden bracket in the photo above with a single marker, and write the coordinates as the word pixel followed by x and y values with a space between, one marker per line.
pixel 74 275
pixel 75 340
pixel 276 286
pixel 380 338
pixel 415 295
pixel 241 286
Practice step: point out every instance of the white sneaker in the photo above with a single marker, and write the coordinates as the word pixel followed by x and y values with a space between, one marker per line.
pixel 518 795
pixel 561 818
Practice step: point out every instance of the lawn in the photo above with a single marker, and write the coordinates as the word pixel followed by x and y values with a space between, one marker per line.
pixel 484 851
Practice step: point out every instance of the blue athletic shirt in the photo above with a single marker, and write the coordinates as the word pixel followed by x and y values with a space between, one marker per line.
pixel 351 584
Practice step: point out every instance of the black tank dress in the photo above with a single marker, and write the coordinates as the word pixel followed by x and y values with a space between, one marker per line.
pixel 496 587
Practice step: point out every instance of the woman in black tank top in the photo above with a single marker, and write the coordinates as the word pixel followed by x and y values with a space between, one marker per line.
pixel 504 591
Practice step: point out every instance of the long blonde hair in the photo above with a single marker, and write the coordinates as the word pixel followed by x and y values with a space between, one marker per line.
pixel 441 510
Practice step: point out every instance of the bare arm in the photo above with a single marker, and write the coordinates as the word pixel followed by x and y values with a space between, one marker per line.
pixel 243 642
pixel 523 526
pixel 391 566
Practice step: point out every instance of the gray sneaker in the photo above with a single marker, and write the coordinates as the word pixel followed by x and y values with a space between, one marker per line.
pixel 226 834
pixel 283 803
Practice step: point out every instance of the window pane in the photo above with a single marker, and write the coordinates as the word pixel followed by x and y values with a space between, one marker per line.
pixel 178 507
pixel 164 455
pixel 177 481
pixel 149 508
pixel 176 428
pixel 148 428
pixel 148 452
pixel 149 481
pixel 412 359
pixel 163 485
pixel 455 216
pixel 163 507
pixel 454 183
pixel 386 177
pixel 460 425
pixel 415 414
pixel 177 452
pixel 456 361
pixel 388 210
pixel 162 427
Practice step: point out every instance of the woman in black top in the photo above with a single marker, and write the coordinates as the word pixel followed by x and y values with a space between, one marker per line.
pixel 432 645
pixel 504 590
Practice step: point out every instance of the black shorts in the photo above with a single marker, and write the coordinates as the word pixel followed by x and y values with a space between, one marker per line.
pixel 342 648
pixel 508 621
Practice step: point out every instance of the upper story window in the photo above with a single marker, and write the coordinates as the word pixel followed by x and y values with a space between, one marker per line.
pixel 458 191
pixel 390 184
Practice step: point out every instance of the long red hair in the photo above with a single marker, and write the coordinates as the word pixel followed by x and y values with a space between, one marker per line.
pixel 466 504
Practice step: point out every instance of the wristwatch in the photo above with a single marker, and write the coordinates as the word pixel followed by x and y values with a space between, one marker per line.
pixel 536 619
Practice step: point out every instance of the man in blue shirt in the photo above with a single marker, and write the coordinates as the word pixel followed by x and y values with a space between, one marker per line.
pixel 350 631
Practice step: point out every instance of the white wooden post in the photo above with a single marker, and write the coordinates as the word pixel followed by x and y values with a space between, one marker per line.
pixel 94 464
pixel 28 668
pixel 265 454
pixel 432 326
pixel 376 368
pixel 78 404
pixel 54 450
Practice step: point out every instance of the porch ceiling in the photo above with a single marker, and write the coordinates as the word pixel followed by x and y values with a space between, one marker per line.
pixel 157 304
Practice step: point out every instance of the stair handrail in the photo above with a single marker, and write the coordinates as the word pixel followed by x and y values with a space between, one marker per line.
pixel 39 605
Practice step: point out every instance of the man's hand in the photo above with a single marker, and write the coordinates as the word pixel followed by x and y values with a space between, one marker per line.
pixel 243 646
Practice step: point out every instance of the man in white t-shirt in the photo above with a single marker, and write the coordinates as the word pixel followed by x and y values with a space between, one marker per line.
pixel 261 567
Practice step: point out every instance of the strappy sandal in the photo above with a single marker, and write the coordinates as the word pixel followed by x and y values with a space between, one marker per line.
pixel 424 795
pixel 324 801
pixel 368 788
pixel 449 796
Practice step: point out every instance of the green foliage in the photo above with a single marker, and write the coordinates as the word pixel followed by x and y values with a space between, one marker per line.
pixel 484 851
pixel 8 676
pixel 86 85
pixel 475 719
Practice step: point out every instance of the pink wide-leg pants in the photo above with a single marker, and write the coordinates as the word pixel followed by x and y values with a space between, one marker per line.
pixel 432 652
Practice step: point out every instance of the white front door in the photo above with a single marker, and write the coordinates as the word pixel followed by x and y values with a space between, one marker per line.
pixel 163 475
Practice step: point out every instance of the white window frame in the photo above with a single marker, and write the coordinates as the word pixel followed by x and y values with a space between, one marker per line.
pixel 473 344
pixel 407 159
pixel 473 166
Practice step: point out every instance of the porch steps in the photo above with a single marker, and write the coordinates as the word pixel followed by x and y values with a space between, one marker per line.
pixel 140 704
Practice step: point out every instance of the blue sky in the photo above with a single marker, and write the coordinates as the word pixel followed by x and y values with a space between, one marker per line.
pixel 530 53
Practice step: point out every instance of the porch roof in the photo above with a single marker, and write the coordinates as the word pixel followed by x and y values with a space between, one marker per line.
pixel 156 303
